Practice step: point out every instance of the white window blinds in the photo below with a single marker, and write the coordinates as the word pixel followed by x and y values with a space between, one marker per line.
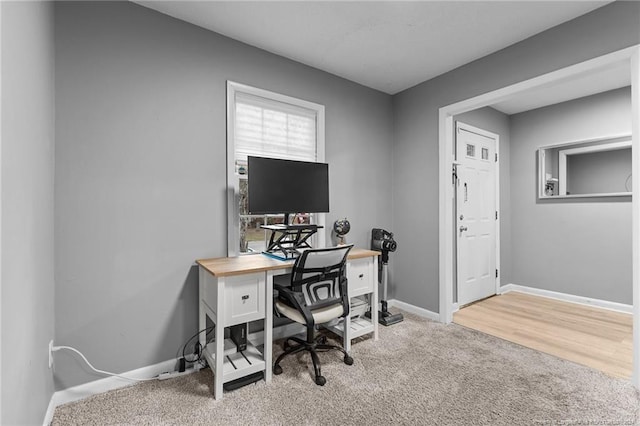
pixel 268 128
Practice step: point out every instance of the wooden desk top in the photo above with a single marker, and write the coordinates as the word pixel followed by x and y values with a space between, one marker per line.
pixel 228 266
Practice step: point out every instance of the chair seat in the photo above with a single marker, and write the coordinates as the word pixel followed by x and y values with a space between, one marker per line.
pixel 320 315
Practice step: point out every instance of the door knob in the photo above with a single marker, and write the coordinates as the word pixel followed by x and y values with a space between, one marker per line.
pixel 463 228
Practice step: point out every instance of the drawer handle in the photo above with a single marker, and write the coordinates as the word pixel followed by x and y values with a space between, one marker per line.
pixel 361 276
pixel 245 297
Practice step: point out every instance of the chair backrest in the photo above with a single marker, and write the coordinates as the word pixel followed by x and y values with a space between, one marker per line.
pixel 318 273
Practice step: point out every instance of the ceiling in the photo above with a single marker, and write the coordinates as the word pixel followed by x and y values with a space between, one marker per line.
pixel 391 45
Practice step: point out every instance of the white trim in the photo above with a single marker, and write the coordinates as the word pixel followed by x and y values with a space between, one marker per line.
pixel 445 131
pixel 594 195
pixel 612 137
pixel 320 239
pixel 496 138
pixel 581 300
pixel 635 209
pixel 424 313
pixel 267 94
pixel 233 219
pixel 597 148
pixel 445 218
pixel 95 387
pixel 48 416
pixel 1 387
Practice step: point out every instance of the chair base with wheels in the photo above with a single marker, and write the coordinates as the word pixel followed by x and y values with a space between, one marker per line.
pixel 317 295
pixel 313 346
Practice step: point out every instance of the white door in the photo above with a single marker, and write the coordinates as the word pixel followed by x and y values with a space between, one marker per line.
pixel 476 213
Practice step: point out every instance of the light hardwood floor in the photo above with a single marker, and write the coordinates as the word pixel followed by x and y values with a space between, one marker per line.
pixel 594 337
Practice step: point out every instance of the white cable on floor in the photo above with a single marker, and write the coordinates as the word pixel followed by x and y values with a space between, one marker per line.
pixel 69 348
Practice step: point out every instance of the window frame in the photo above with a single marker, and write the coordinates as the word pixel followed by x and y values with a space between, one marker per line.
pixel 233 180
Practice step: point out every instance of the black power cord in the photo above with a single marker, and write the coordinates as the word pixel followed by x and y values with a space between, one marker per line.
pixel 197 349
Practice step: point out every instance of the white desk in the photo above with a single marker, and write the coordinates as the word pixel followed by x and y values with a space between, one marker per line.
pixel 235 290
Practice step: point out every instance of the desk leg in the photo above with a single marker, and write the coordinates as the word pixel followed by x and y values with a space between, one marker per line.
pixel 268 328
pixel 202 316
pixel 202 338
pixel 219 369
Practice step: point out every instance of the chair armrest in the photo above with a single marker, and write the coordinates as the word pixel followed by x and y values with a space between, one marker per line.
pixel 346 303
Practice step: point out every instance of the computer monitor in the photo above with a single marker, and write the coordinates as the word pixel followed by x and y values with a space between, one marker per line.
pixel 286 186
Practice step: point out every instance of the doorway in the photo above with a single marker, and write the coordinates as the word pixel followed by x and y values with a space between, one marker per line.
pixel 629 56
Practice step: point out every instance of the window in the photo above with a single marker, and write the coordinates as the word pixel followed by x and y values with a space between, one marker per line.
pixel 485 153
pixel 471 150
pixel 265 124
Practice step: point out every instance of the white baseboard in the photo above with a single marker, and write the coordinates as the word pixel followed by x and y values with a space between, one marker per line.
pixel 425 313
pixel 95 387
pixel 48 416
pixel 613 306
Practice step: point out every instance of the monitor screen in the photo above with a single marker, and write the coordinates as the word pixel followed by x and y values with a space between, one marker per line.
pixel 287 186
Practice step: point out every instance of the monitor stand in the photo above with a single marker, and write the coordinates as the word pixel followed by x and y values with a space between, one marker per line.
pixel 287 241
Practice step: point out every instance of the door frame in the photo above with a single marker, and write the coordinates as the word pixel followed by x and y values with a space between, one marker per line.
pixel 496 137
pixel 0 215
pixel 446 158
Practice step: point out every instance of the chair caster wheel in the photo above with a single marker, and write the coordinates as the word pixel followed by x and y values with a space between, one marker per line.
pixel 277 370
pixel 320 381
pixel 322 340
pixel 348 360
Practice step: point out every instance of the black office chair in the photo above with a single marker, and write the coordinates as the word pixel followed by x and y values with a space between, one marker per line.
pixel 317 295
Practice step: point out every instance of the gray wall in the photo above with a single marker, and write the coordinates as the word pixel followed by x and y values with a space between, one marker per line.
pixel 580 247
pixel 140 172
pixel 27 210
pixel 415 151
pixel 499 123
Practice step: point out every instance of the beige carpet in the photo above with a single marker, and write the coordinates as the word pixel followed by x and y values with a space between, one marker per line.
pixel 419 373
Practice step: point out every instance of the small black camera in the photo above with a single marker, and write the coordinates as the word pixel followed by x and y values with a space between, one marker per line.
pixel 383 240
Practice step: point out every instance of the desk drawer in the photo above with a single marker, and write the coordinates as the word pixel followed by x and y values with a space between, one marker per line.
pixel 361 276
pixel 244 298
